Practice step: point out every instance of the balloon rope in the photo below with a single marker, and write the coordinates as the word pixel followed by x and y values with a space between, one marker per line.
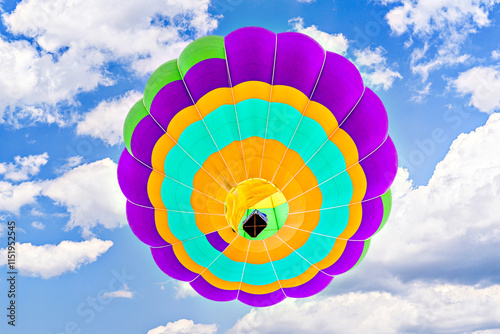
pixel 302 116
pixel 162 209
pixel 269 105
pixel 345 170
pixel 235 111
pixel 335 207
pixel 171 178
pixel 182 241
pixel 324 235
pixel 312 264
pixel 176 143
pixel 205 269
pixel 272 265
pixel 326 141
pixel 243 271
pixel 201 117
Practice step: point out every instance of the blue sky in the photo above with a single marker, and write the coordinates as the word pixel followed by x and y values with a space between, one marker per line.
pixel 69 74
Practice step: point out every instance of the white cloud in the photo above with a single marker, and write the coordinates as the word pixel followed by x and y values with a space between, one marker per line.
pixel 23 167
pixel 372 62
pixel 50 260
pixel 123 293
pixel 426 17
pixel 448 228
pixel 32 82
pixel 483 84
pixel 495 54
pixel 38 225
pixel 306 1
pixel 106 120
pixel 70 163
pixel 448 21
pixel 422 308
pixel 13 197
pixel 374 67
pixel 36 212
pixel 62 49
pixel 184 290
pixel 331 42
pixel 184 326
pixel 420 94
pixel 91 194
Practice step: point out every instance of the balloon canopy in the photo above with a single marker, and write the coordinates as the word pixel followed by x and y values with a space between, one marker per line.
pixel 257 166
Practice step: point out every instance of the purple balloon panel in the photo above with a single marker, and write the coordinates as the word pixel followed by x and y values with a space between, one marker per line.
pixel 340 86
pixel 250 55
pixel 367 124
pixel 133 179
pixel 169 101
pixel 206 76
pixel 142 223
pixel 299 60
pixel 316 284
pixel 380 169
pixel 372 214
pixel 348 259
pixel 209 291
pixel 144 138
pixel 264 300
pixel 167 261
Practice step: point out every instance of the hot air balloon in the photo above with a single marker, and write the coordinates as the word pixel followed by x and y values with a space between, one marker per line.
pixel 257 166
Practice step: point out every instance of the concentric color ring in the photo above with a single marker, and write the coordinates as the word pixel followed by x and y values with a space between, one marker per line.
pixel 263 106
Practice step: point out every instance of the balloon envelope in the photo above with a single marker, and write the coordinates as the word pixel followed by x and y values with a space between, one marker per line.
pixel 257 166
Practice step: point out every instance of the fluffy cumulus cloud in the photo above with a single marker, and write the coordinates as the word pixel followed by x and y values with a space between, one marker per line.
pixel 63 48
pixel 23 167
pixel 123 293
pixel 331 42
pixel 374 67
pixel 50 260
pixel 483 86
pixel 106 120
pixel 13 197
pixel 184 290
pixel 184 326
pixel 449 21
pixel 449 227
pixel 372 62
pixel 91 194
pixel 442 308
pixel 69 164
pixel 33 82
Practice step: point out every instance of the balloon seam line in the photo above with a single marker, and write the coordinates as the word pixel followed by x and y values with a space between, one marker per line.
pixel 312 264
pixel 326 236
pixel 220 254
pixel 272 265
pixel 269 104
pixel 202 119
pixel 302 115
pixel 336 207
pixel 189 239
pixel 326 141
pixel 243 271
pixel 235 109
pixel 345 170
